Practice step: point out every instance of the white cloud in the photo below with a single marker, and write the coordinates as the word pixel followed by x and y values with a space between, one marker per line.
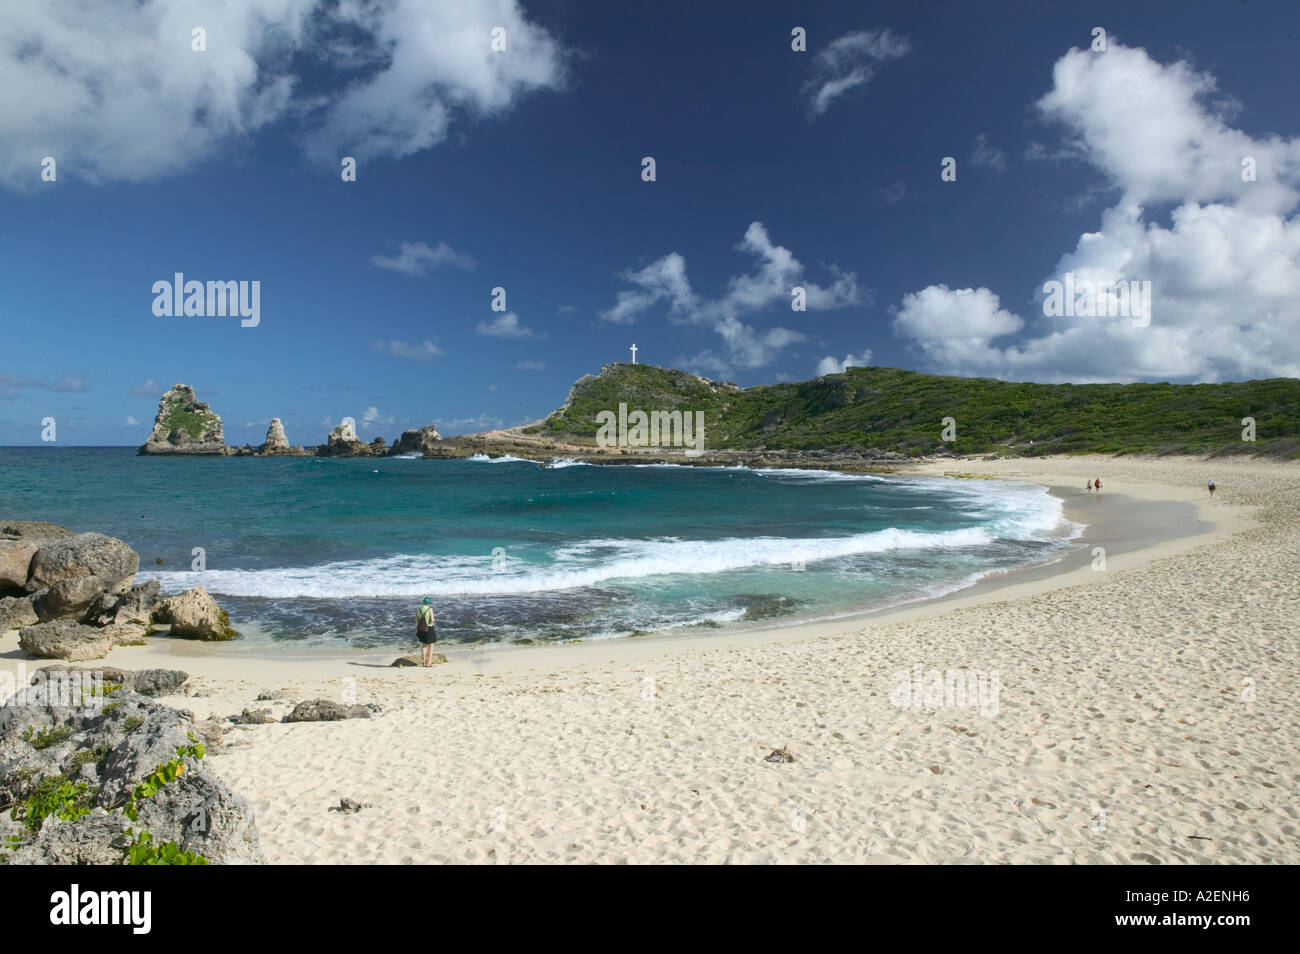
pixel 849 62
pixel 401 349
pixel 771 284
pixel 985 155
pixel 1225 273
pixel 113 90
pixel 828 364
pixel 373 418
pixel 148 389
pixel 530 365
pixel 505 326
pixel 131 422
pixel 418 259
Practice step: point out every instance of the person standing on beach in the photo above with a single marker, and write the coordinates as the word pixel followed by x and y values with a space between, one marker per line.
pixel 1089 485
pixel 1211 486
pixel 425 632
pixel 1097 483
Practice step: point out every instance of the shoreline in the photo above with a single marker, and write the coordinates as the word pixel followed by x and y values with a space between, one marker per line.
pixel 1145 714
pixel 1155 535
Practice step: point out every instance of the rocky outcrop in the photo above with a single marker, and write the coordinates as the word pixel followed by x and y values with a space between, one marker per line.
pixel 134 606
pixel 80 602
pixel 147 682
pixel 421 441
pixel 16 612
pixel 75 642
pixel 185 425
pixel 344 442
pixel 19 542
pixel 326 710
pixel 69 777
pixel 109 561
pixel 194 614
pixel 276 440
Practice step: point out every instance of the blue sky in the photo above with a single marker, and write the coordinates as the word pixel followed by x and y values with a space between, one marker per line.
pixel 523 169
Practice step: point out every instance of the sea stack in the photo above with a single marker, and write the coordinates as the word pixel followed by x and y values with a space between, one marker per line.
pixel 421 441
pixel 185 426
pixel 276 441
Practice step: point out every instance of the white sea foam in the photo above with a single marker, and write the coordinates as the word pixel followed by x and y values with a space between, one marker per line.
pixel 1005 510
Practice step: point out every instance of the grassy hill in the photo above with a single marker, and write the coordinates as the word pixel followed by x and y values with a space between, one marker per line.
pixel 891 409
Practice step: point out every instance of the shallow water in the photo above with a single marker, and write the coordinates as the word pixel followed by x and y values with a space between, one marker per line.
pixel 315 552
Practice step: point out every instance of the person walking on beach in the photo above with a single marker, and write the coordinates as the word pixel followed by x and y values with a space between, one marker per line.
pixel 1097 483
pixel 425 632
pixel 1211 486
pixel 1089 485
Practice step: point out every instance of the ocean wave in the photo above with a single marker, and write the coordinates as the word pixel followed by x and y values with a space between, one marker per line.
pixel 589 563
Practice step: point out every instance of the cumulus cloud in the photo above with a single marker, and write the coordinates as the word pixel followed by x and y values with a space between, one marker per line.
pixel 1224 272
pixel 149 389
pixel 505 325
pixel 131 422
pixel 778 272
pixel 829 365
pixel 418 259
pixel 373 418
pixel 423 351
pixel 849 62
pixel 114 91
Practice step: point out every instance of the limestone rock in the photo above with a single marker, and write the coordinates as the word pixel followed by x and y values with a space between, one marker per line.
pixel 326 710
pixel 82 555
pixel 194 614
pixel 17 612
pixel 147 682
pixel 185 425
pixel 73 641
pixel 134 606
pixel 19 542
pixel 276 441
pixel 419 441
pixel 68 597
pixel 111 748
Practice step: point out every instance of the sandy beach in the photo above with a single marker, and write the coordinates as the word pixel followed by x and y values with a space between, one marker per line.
pixel 1145 712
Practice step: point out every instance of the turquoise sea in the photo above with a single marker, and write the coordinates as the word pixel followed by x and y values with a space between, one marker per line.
pixel 310 553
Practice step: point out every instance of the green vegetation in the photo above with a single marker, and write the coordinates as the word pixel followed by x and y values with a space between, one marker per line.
pixel 54 796
pixel 891 409
pixel 46 737
pixel 132 723
pixel 193 423
pixel 167 772
pixel 143 851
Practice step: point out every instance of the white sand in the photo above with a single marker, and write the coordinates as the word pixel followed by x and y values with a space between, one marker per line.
pixel 1123 726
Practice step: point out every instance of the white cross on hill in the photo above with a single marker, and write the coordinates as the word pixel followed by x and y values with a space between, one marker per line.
pixel 634 354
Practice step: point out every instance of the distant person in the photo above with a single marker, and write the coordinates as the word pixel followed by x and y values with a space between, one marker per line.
pixel 1211 486
pixel 1089 485
pixel 425 632
pixel 1097 484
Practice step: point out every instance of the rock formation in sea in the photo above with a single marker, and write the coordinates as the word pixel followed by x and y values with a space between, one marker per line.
pixel 421 441
pixel 344 442
pixel 73 595
pixel 185 425
pixel 276 441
